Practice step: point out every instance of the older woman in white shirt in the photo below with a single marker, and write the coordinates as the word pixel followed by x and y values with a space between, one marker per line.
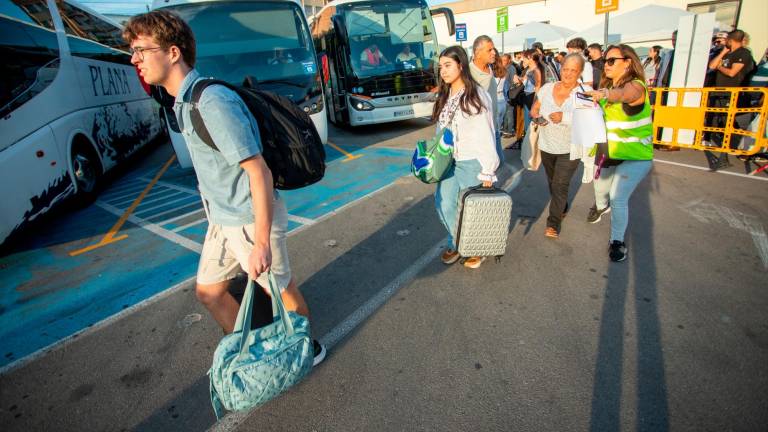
pixel 555 105
pixel 466 110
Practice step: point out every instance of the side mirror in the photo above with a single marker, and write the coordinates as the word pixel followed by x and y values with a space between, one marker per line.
pixel 448 18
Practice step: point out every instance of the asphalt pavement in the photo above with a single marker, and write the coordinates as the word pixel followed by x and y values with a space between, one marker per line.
pixel 554 337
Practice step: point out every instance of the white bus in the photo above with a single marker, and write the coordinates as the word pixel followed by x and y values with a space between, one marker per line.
pixel 265 39
pixel 71 105
pixel 379 59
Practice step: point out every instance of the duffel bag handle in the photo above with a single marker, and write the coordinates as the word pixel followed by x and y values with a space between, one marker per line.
pixel 244 315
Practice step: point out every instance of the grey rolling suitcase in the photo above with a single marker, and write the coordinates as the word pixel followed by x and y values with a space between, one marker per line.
pixel 484 218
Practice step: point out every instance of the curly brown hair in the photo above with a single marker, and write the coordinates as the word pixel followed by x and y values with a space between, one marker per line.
pixel 167 28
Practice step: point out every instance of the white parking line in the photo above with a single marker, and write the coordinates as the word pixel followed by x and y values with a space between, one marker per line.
pixel 177 187
pixel 165 203
pixel 154 198
pixel 122 193
pixel 707 169
pixel 163 213
pixel 301 220
pixel 179 217
pixel 128 200
pixel 162 232
pixel 189 225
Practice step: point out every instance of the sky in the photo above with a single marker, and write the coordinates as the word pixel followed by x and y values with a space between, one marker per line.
pixel 130 7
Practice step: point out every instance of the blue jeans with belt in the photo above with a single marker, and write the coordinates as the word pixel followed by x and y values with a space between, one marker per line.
pixel 461 176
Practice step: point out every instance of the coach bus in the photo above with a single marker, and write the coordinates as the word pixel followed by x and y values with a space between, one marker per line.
pixel 379 59
pixel 265 39
pixel 71 106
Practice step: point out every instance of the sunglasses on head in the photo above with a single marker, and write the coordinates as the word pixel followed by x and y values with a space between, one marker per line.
pixel 612 60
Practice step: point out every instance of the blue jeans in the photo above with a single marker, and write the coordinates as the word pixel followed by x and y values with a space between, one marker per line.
pixel 461 176
pixel 614 187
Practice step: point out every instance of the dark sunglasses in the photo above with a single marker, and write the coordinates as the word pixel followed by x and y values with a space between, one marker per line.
pixel 612 60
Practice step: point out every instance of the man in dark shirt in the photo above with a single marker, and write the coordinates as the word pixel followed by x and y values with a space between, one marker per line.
pixel 733 66
pixel 596 59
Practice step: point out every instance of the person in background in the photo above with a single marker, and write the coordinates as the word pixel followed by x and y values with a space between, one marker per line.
pixel 662 79
pixel 280 57
pixel 517 60
pixel 481 69
pixel 532 80
pixel 406 56
pixel 664 72
pixel 718 43
pixel 548 64
pixel 595 52
pixel 500 73
pixel 555 103
pixel 733 65
pixel 518 104
pixel 559 59
pixel 508 119
pixel 624 98
pixel 465 109
pixel 371 57
pixel 579 46
pixel 651 64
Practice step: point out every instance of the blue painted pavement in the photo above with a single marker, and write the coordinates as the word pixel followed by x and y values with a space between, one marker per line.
pixel 47 295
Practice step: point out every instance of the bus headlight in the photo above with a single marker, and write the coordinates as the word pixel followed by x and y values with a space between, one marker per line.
pixel 360 104
pixel 313 106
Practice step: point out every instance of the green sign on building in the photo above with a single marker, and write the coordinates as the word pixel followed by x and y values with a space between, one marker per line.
pixel 502 20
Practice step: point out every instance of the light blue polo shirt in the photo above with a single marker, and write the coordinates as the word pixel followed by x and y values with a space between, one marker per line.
pixel 223 183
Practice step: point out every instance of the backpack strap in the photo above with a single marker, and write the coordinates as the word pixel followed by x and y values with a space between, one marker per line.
pixel 194 114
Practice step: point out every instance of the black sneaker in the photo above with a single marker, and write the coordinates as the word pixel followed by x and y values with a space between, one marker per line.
pixel 319 352
pixel 617 251
pixel 595 215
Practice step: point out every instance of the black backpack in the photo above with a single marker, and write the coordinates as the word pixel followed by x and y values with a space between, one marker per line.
pixel 293 150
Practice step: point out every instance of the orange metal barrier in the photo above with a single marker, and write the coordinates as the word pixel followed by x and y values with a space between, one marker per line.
pixel 699 118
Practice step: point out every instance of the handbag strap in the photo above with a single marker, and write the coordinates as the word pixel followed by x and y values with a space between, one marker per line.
pixel 244 315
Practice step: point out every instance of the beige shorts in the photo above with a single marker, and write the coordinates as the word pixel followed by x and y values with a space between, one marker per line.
pixel 226 250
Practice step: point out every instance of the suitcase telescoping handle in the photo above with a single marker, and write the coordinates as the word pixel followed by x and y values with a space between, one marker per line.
pixel 481 188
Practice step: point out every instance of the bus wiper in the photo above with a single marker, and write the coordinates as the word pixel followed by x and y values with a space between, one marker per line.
pixel 284 82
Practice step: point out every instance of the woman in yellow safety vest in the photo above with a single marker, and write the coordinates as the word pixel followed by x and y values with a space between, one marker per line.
pixel 629 129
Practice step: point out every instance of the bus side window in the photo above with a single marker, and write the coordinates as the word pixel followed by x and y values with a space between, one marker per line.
pixel 91 37
pixel 35 62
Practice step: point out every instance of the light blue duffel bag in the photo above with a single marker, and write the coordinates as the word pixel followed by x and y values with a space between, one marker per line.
pixel 250 367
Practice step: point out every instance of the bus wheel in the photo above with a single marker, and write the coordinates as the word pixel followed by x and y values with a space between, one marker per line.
pixel 87 170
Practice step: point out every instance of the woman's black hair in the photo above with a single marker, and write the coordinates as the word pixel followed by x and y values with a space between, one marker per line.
pixel 538 60
pixel 471 98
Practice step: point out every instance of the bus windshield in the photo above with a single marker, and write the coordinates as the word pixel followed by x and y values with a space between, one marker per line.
pixel 266 40
pixel 388 37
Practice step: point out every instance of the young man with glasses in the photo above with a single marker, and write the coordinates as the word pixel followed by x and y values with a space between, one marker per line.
pixel 247 219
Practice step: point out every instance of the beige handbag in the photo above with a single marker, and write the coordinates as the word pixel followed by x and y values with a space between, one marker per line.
pixel 529 151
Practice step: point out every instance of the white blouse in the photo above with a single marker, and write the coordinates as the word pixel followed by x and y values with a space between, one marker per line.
pixel 555 138
pixel 474 137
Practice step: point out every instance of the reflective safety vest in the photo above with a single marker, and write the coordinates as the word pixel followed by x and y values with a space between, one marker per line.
pixel 630 137
pixel 374 57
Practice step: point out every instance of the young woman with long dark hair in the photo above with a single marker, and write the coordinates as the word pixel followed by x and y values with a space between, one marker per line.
pixel 465 109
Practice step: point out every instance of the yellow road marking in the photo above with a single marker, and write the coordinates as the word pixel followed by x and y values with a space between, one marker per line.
pixel 349 155
pixel 109 237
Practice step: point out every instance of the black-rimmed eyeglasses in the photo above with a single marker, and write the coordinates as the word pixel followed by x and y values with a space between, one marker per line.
pixel 141 50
